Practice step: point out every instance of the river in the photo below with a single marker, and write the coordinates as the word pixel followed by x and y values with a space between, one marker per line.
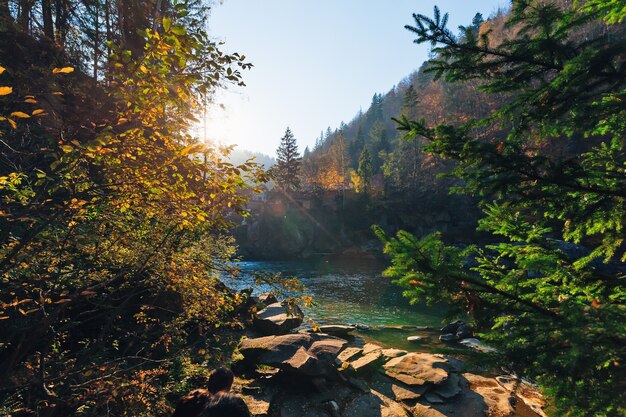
pixel 350 291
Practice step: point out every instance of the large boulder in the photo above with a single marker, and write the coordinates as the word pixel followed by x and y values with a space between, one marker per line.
pixel 305 354
pixel 418 369
pixel 267 298
pixel 451 327
pixel 278 318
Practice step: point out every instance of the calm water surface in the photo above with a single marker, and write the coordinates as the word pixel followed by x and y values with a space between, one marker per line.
pixel 350 291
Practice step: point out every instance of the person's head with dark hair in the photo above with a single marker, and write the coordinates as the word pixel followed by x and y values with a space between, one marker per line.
pixel 226 405
pixel 193 404
pixel 220 380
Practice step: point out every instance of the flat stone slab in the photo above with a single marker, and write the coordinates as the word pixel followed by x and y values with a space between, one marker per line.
pixel 496 397
pixel 368 362
pixel 337 329
pixel 393 353
pixel 397 390
pixel 371 347
pixel 349 354
pixel 418 369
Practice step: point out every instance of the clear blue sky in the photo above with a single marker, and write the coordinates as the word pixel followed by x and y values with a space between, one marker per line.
pixel 316 62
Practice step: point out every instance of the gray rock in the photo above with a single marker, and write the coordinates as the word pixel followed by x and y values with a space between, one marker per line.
pixel 333 408
pixel 450 388
pixel 447 338
pixel 433 398
pixel 464 331
pixel 476 344
pixel 277 319
pixel 416 339
pixel 452 327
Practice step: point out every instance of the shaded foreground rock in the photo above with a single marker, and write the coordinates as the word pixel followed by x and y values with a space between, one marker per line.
pixel 374 404
pixel 277 318
pixel 301 353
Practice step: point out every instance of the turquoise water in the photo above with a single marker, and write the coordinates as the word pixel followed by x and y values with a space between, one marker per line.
pixel 350 291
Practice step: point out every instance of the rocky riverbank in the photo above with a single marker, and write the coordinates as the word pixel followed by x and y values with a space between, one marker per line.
pixel 287 371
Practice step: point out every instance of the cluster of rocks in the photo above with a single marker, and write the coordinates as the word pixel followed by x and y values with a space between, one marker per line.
pixel 329 372
pixel 463 334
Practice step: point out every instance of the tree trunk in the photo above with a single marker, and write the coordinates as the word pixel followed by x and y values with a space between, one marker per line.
pixel 23 19
pixel 5 15
pixel 46 10
pixel 61 20
pixel 96 39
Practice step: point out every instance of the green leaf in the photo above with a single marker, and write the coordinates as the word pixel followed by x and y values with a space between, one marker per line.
pixel 167 23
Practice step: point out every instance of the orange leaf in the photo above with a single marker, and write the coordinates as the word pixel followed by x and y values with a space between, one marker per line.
pixel 20 114
pixel 5 90
pixel 64 70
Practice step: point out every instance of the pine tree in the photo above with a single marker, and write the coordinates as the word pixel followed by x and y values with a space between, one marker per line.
pixel 365 170
pixel 356 147
pixel 287 169
pixel 549 291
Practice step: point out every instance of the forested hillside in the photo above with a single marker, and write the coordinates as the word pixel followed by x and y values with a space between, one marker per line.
pixel 364 173
pixel 113 219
